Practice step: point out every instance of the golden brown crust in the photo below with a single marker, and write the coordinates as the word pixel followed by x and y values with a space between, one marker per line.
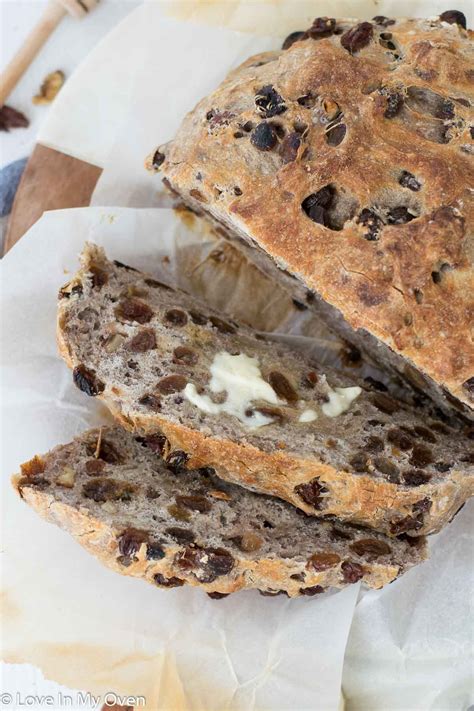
pixel 267 573
pixel 412 287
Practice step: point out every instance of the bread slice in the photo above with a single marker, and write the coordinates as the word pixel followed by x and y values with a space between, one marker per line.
pixel 342 167
pixel 143 517
pixel 262 415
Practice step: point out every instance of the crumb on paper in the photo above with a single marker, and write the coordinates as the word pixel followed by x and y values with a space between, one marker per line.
pixel 49 88
pixel 11 118
pixel 165 259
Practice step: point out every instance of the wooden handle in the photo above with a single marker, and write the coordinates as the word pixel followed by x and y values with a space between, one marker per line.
pixel 50 19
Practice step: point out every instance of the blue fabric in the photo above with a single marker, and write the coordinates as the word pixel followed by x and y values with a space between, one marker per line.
pixel 9 180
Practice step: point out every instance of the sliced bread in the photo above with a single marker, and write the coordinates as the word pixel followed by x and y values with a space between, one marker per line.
pixel 261 414
pixel 149 519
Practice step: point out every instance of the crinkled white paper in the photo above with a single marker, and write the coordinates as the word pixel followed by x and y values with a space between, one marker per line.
pixel 410 645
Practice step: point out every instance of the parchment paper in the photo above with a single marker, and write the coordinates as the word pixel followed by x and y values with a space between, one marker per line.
pixel 83 625
pixel 410 645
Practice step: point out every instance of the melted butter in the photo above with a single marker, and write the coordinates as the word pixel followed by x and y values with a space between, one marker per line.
pixel 308 415
pixel 240 377
pixel 340 400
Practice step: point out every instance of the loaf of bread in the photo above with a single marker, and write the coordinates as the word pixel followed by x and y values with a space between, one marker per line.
pixel 259 413
pixel 143 517
pixel 343 166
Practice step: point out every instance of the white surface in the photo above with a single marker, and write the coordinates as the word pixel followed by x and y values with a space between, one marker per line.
pixel 66 49
pixel 82 624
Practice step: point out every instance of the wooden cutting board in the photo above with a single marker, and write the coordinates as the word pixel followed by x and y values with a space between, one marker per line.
pixel 51 181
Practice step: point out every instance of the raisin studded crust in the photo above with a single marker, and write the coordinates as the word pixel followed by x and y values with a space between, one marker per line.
pixel 343 166
pixel 145 518
pixel 139 344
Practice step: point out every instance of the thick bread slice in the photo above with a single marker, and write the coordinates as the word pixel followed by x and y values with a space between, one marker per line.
pixel 144 518
pixel 267 418
pixel 343 166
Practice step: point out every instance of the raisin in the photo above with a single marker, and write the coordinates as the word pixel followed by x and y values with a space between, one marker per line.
pixel 11 118
pixel 311 493
pixel 352 572
pixel 179 514
pixel 335 134
pixel 384 403
pixel 171 384
pixel 314 590
pixel 374 444
pixel 408 180
pixel 399 215
pixel 197 195
pixel 370 547
pixel 217 595
pixel 282 386
pixel 130 540
pixel 180 535
pixel 409 523
pixel 154 551
pixel 443 466
pixel 277 415
pixel 207 564
pixel 415 477
pixel 383 21
pixel 316 204
pixel 86 381
pixel 184 356
pixel 288 150
pixel 421 456
pixel 454 17
pixel 152 402
pixel 393 102
pixel 388 468
pixel 103 489
pixel 109 453
pixel 264 137
pixel 358 37
pixel 198 318
pixel 424 433
pixel 322 561
pixel 177 460
pixel 94 467
pixel 157 443
pixel 422 506
pixel 144 340
pixel 99 277
pixel 134 310
pixel 322 27
pixel 222 326
pixel 468 386
pixel 359 462
pixel 269 102
pixel 310 379
pixel 194 502
pixel 176 317
pixel 167 582
pixel 157 160
pixel 369 219
pixel 399 439
pixel 292 38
